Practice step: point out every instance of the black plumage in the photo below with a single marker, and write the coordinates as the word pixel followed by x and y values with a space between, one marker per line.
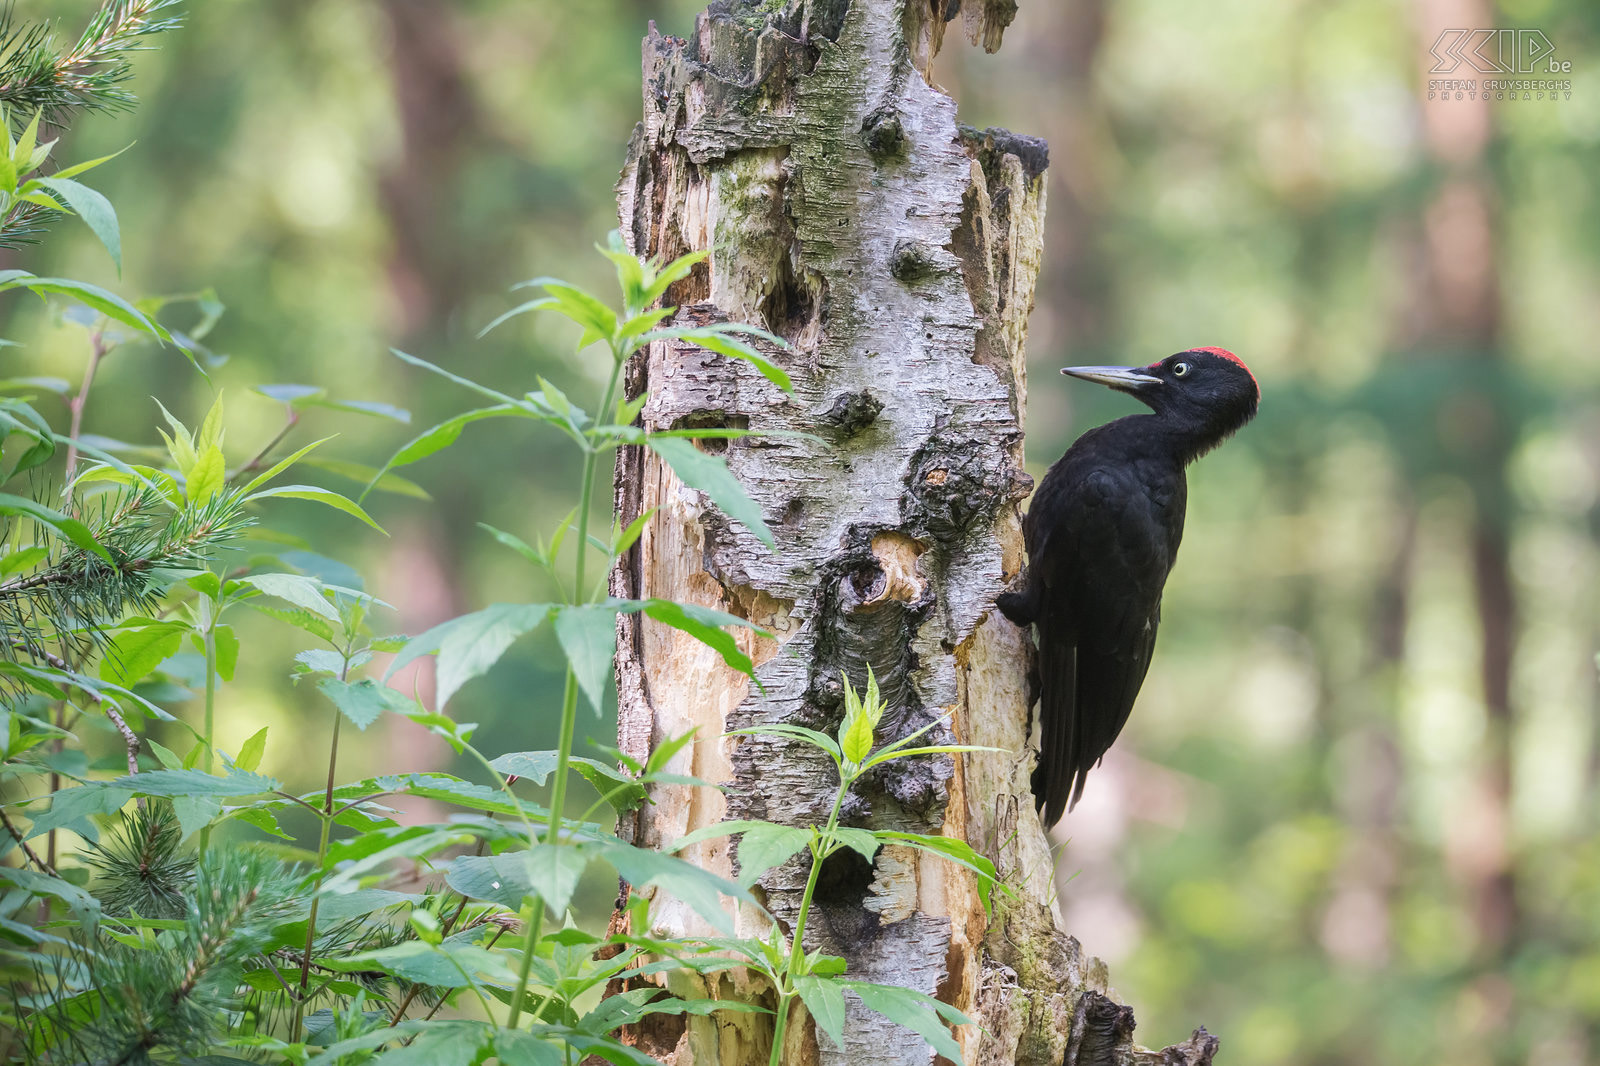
pixel 1102 535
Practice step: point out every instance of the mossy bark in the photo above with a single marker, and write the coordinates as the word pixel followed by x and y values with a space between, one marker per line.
pixel 805 145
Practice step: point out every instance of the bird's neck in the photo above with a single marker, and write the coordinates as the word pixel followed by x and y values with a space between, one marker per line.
pixel 1166 433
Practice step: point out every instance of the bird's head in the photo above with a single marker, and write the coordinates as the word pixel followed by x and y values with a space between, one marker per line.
pixel 1208 390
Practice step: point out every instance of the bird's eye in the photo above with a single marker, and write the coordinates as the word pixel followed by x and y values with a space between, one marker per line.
pixel 1181 370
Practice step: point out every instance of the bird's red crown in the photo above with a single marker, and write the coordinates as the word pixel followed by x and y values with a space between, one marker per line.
pixel 1225 354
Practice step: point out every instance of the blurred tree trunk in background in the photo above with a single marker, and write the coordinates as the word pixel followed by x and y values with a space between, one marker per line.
pixel 897 252
pixel 1454 315
pixel 429 276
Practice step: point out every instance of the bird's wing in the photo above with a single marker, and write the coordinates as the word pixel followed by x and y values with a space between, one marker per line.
pixel 1100 579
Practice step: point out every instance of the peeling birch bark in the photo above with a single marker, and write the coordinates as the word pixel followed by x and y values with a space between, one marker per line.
pixel 847 210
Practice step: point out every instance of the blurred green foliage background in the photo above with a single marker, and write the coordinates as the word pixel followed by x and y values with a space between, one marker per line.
pixel 1353 818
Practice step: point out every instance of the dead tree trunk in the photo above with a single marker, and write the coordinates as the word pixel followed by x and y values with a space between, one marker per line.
pixel 897 251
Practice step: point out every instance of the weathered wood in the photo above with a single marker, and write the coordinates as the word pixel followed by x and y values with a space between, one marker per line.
pixel 897 251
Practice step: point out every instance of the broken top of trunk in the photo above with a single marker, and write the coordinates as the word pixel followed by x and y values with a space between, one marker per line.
pixel 846 210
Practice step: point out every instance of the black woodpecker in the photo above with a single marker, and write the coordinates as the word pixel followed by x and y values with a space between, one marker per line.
pixel 1102 534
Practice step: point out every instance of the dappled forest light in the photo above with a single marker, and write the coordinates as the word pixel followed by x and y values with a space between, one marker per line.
pixel 1353 819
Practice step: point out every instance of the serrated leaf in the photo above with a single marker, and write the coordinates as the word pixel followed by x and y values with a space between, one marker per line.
pixel 196 783
pixel 710 474
pixel 824 999
pixel 83 906
pixel 71 808
pixel 469 645
pixel 701 890
pixel 920 1013
pixel 588 636
pixel 298 589
pixel 362 701
pixel 862 841
pixel 673 271
pixel 765 846
pixel 705 625
pixel 195 812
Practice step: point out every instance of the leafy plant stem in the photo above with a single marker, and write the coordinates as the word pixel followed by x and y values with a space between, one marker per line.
pixel 569 704
pixel 326 815
pixel 211 690
pixel 530 944
pixel 821 848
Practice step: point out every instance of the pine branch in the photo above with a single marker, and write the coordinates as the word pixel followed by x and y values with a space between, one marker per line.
pixel 174 997
pixel 74 594
pixel 142 867
pixel 90 76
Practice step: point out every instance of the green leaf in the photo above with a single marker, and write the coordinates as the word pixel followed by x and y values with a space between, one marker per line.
pixel 319 495
pixel 623 792
pixel 207 476
pixel 363 701
pixel 94 209
pixel 283 464
pixel 863 842
pixel 699 889
pixel 720 829
pixel 195 812
pixel 953 849
pixel 765 846
pixel 515 543
pixel 259 819
pixel 364 475
pixel 251 750
pixel 298 589
pixel 673 271
pixel 71 808
pixel 916 1011
pixel 549 871
pixel 133 653
pixel 448 965
pixel 705 625
pixel 226 643
pixel 109 304
pixel 22 155
pixel 825 1000
pixel 78 168
pixel 439 438
pixel 719 338
pixel 71 528
pixel 793 732
pixel 469 645
pixel 588 636
pixel 582 308
pixel 83 906
pixel 520 309
pixel 196 783
pixel 710 474
pixel 466 383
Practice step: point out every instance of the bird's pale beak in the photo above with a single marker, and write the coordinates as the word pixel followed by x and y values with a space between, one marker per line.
pixel 1121 378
